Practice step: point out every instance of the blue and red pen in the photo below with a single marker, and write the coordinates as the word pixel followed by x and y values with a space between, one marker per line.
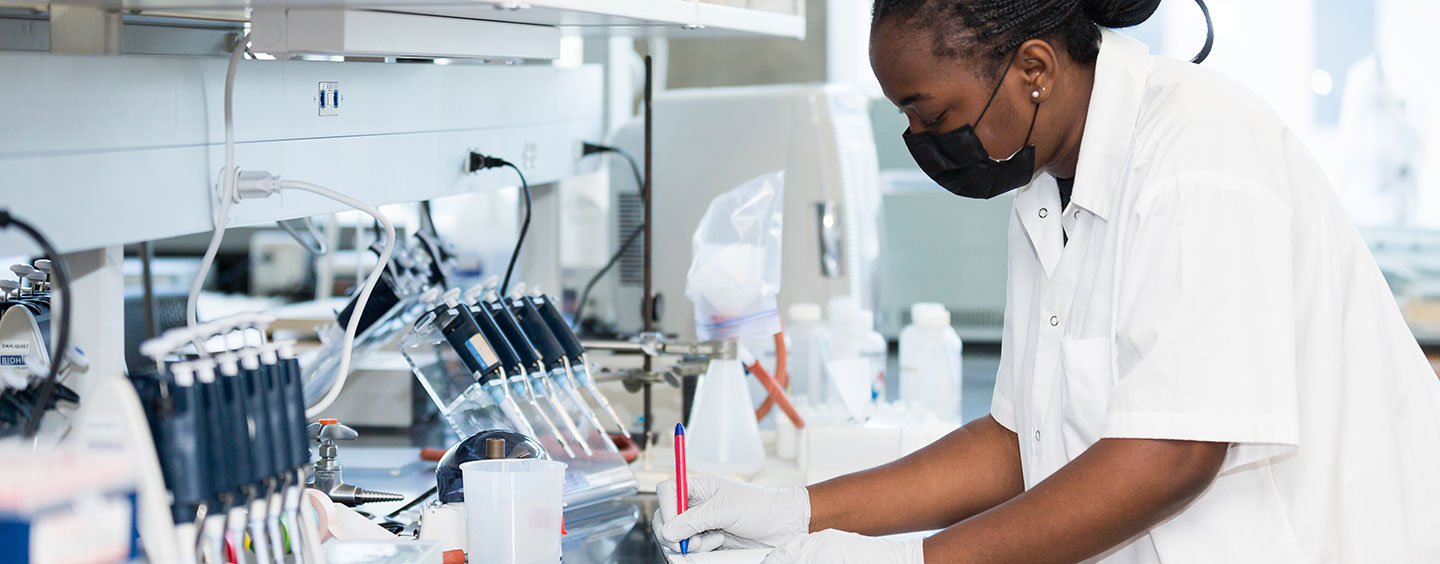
pixel 682 480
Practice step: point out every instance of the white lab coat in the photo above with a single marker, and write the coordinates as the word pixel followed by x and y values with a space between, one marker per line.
pixel 1213 289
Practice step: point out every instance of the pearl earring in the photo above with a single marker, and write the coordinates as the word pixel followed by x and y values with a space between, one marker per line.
pixel 1035 94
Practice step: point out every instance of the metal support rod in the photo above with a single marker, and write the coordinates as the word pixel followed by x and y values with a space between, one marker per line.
pixel 613 346
pixel 659 347
pixel 147 283
pixel 647 307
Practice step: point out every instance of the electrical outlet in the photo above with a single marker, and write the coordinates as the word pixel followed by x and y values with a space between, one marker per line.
pixel 328 99
pixel 530 155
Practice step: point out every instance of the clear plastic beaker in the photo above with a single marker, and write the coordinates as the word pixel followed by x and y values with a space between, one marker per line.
pixel 514 510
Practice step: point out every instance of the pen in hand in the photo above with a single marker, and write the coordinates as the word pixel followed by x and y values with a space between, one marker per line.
pixel 682 485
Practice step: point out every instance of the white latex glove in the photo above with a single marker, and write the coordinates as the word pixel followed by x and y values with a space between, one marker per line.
pixel 730 514
pixel 836 547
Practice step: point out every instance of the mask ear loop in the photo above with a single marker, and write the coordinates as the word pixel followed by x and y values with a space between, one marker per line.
pixel 1033 117
pixel 1004 70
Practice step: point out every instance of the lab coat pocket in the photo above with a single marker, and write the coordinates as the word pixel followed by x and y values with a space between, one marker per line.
pixel 1087 383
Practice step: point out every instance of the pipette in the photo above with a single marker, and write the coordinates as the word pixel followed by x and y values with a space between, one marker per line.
pixel 552 355
pixel 528 359
pixel 575 354
pixel 544 347
pixel 509 362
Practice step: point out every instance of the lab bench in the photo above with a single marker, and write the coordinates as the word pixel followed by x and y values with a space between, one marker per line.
pixel 616 531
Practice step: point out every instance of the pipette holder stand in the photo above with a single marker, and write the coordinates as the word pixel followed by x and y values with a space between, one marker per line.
pixel 471 407
pixel 319 373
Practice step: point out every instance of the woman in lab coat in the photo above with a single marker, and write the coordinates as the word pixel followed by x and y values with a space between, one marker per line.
pixel 1201 361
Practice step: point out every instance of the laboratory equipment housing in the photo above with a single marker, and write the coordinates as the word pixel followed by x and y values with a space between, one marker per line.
pixel 126 123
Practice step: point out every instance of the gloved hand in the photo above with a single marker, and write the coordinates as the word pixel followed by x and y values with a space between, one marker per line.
pixel 730 514
pixel 836 547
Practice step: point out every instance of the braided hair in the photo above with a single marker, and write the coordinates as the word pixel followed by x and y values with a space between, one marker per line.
pixel 992 29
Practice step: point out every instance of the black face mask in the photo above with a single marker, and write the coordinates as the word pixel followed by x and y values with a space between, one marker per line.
pixel 959 162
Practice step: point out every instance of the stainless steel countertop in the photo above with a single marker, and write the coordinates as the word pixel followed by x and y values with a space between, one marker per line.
pixel 624 541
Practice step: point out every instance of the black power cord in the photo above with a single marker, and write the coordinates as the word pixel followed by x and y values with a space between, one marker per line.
pixel 478 162
pixel 61 276
pixel 585 295
pixel 588 149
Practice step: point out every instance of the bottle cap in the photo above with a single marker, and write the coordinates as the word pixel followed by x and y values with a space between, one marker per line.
pixel 931 317
pixel 804 312
pixel 430 296
pixel 917 307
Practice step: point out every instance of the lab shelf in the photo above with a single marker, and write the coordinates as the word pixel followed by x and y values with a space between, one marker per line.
pixel 672 18
pixel 112 150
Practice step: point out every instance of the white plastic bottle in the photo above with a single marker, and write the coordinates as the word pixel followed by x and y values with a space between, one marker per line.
pixel 853 335
pixel 805 337
pixel 872 346
pixel 723 437
pixel 842 342
pixel 930 353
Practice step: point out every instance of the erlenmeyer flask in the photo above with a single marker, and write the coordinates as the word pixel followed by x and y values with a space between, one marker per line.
pixel 722 436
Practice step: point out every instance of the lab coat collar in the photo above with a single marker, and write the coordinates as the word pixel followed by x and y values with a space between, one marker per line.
pixel 1044 234
pixel 1120 76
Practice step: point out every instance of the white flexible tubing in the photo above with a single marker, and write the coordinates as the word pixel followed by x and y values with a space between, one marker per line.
pixel 227 194
pixel 360 303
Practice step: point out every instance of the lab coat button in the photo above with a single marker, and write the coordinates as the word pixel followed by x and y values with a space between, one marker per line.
pixel 1054 321
pixel 1044 212
pixel 1037 434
